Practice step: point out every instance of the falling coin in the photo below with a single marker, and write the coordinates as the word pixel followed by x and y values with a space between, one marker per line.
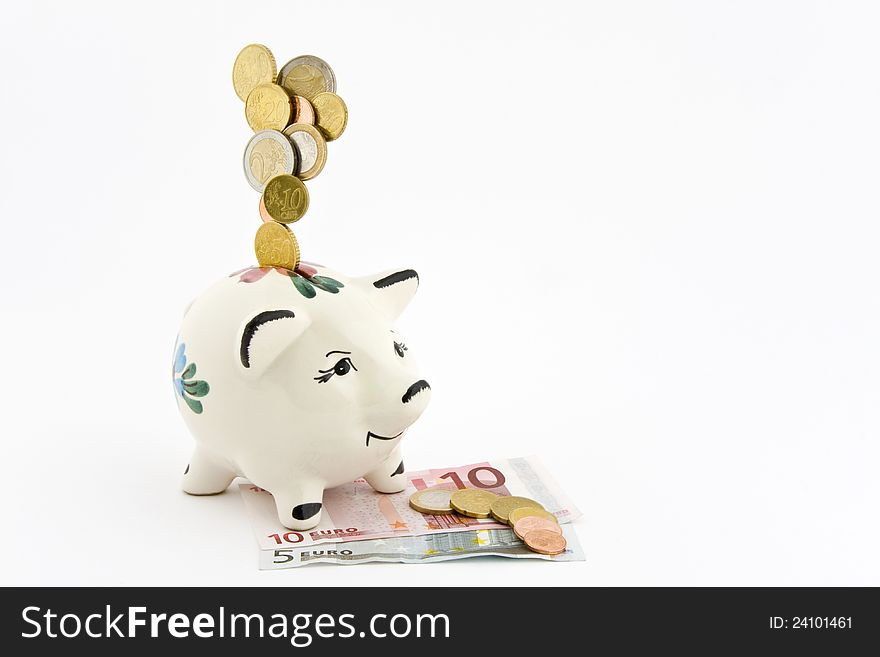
pixel 472 502
pixel 431 500
pixel 254 65
pixel 286 198
pixel 524 511
pixel 543 541
pixel 303 112
pixel 331 115
pixel 268 154
pixel 310 147
pixel 502 507
pixel 276 246
pixel 264 215
pixel 307 76
pixel 531 523
pixel 267 108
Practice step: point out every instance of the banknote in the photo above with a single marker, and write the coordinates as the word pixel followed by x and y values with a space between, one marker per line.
pixel 427 548
pixel 354 511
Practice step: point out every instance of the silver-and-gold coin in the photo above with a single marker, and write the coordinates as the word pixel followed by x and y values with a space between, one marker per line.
pixel 432 500
pixel 269 153
pixel 307 76
pixel 310 147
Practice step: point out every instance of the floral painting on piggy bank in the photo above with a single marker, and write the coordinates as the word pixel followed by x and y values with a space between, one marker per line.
pixel 297 381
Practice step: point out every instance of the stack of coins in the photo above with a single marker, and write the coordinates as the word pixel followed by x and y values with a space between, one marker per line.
pixel 293 112
pixel 534 525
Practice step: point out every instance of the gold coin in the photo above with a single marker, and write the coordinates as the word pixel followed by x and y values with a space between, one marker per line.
pixel 543 541
pixel 331 115
pixel 286 198
pixel 267 108
pixel 303 80
pixel 530 523
pixel 502 507
pixel 524 511
pixel 311 149
pixel 472 502
pixel 276 246
pixel 254 65
pixel 431 500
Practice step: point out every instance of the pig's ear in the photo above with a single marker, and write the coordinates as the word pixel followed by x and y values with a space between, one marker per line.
pixel 391 291
pixel 265 336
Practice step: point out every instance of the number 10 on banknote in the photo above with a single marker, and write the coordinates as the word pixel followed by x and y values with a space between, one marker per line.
pixel 355 511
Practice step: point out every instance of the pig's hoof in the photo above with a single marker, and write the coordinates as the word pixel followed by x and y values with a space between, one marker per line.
pixel 306 511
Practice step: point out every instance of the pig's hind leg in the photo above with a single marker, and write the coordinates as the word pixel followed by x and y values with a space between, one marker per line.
pixel 388 477
pixel 205 476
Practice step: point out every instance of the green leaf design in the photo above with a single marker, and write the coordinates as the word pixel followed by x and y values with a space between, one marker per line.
pixel 322 285
pixel 305 288
pixel 194 404
pixel 189 372
pixel 326 280
pixel 197 388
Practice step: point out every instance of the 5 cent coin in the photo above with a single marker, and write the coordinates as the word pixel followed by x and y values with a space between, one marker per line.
pixel 543 541
pixel 530 523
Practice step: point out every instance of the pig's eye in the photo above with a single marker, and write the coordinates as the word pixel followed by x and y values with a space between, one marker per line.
pixel 342 367
pixel 399 347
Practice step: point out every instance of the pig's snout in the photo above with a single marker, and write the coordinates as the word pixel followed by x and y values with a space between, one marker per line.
pixel 414 389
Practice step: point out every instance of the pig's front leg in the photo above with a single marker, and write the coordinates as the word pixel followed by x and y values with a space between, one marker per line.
pixel 299 504
pixel 205 475
pixel 389 477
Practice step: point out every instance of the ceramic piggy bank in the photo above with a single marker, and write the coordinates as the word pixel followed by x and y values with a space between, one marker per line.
pixel 297 381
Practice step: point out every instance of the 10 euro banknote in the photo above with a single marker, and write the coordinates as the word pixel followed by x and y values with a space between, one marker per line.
pixel 355 512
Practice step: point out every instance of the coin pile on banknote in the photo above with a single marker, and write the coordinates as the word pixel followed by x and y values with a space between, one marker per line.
pixel 535 526
pixel 293 112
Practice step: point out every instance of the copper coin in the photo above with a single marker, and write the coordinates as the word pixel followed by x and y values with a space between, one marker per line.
pixel 303 112
pixel 531 523
pixel 543 541
pixel 264 215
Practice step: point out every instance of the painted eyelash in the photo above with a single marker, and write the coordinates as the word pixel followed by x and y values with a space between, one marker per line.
pixel 326 375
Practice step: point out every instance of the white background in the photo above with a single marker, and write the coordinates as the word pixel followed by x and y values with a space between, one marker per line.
pixel 647 237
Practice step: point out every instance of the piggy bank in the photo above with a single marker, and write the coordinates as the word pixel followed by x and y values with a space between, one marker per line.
pixel 297 381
